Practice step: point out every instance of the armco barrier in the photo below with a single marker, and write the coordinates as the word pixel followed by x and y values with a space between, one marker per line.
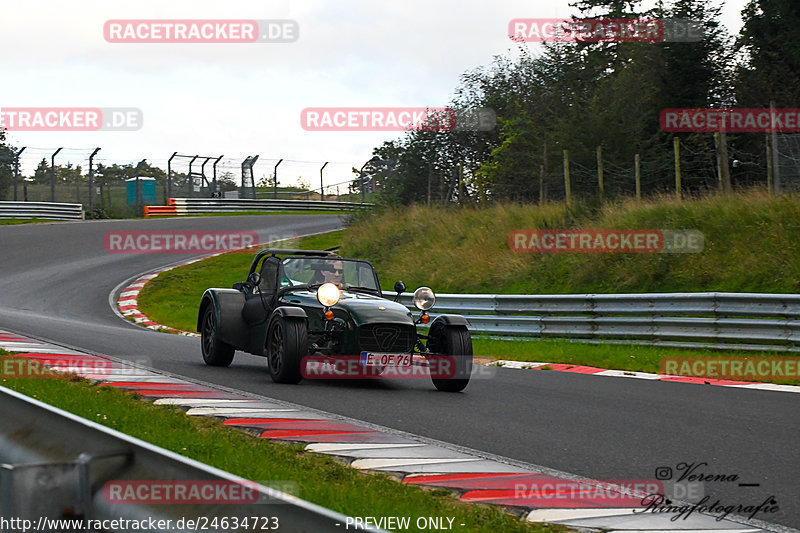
pixel 53 465
pixel 198 206
pixel 714 319
pixel 46 210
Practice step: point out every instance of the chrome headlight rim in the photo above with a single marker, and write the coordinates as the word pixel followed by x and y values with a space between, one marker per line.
pixel 424 298
pixel 328 294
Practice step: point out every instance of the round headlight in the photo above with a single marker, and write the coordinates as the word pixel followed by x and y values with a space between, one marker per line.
pixel 328 294
pixel 424 298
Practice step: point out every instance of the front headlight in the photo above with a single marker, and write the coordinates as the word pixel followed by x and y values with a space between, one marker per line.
pixel 328 294
pixel 424 298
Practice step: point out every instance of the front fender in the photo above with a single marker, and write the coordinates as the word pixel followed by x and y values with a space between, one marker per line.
pixel 289 312
pixel 227 304
pixel 451 320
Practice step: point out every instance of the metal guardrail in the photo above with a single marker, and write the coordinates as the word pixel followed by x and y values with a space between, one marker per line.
pixel 736 320
pixel 47 210
pixel 196 206
pixel 54 465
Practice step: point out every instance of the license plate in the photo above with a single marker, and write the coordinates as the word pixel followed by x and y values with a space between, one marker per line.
pixel 386 359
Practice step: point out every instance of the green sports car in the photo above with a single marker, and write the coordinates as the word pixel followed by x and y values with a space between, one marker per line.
pixel 309 310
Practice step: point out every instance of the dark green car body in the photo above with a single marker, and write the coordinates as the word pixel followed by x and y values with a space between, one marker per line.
pixel 362 321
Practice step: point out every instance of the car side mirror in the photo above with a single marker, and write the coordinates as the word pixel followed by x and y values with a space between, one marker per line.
pixel 254 278
pixel 399 287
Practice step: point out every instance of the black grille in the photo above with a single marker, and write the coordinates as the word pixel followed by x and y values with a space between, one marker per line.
pixel 393 338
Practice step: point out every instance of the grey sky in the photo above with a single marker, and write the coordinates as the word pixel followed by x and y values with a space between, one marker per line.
pixel 245 99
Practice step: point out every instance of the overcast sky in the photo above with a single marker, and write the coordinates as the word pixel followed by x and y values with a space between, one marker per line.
pixel 245 99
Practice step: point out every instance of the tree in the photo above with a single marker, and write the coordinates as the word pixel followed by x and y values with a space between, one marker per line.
pixel 6 167
pixel 769 48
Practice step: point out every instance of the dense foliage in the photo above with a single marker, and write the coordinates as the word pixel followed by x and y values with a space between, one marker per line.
pixel 582 95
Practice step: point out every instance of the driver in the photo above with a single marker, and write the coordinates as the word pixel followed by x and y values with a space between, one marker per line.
pixel 334 273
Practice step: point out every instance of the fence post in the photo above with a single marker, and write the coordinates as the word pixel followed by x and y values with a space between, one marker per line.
pixel 53 175
pixel 776 169
pixel 567 183
pixel 91 179
pixel 600 170
pixel 460 183
pixel 321 187
pixel 719 160
pixel 541 184
pixel 723 170
pixel 637 173
pixel 169 177
pixel 676 142
pixel 16 170
pixel 769 162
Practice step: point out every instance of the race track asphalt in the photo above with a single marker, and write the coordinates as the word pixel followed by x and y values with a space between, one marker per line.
pixel 55 280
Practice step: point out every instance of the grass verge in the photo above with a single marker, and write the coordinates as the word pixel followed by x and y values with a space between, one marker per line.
pixel 752 244
pixel 17 221
pixel 172 299
pixel 629 357
pixel 321 479
pixel 259 213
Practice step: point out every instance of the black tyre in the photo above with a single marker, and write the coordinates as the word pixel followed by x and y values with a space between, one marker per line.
pixel 454 341
pixel 215 352
pixel 287 344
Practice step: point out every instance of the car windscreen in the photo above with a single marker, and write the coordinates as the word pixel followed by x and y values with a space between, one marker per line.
pixel 342 272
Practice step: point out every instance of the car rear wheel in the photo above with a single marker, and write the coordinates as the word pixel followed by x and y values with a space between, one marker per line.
pixel 453 341
pixel 287 343
pixel 215 352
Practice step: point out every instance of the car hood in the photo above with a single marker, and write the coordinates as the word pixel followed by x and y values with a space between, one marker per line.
pixel 369 309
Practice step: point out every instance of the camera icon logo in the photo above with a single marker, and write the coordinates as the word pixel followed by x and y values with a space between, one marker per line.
pixel 663 473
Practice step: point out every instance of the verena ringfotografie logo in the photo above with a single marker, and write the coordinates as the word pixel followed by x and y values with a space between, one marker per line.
pixel 632 30
pixel 731 120
pixel 201 31
pixel 176 242
pixel 71 118
pixel 597 241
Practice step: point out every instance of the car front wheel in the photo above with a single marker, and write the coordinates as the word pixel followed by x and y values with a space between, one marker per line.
pixel 455 343
pixel 215 352
pixel 287 343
